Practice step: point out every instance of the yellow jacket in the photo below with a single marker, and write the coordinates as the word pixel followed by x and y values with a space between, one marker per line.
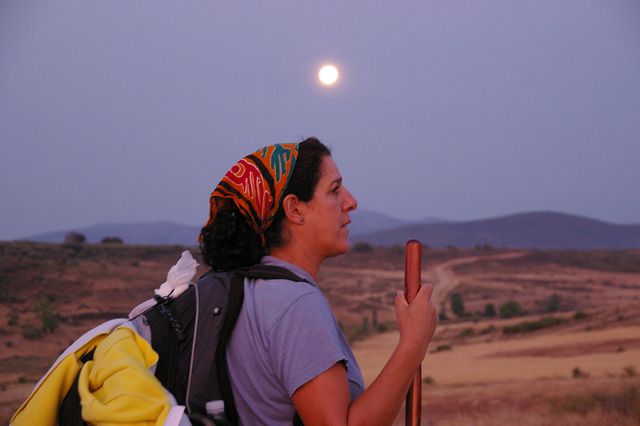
pixel 116 387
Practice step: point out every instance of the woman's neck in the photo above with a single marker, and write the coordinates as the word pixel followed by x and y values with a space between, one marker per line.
pixel 298 257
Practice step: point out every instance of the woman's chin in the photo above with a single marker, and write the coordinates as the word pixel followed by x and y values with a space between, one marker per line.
pixel 340 249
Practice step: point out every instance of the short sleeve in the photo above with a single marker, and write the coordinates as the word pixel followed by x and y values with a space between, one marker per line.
pixel 305 342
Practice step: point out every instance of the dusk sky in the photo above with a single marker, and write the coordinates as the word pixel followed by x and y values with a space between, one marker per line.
pixel 120 111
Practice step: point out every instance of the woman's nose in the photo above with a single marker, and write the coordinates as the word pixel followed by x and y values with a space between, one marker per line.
pixel 350 203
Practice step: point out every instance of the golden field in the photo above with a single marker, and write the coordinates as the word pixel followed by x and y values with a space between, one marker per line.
pixel 570 355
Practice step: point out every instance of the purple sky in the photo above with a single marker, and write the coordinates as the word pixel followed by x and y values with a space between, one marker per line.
pixel 120 111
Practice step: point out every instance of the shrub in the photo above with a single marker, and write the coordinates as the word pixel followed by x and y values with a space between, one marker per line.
pixel 488 330
pixel 490 310
pixel 579 316
pixel 529 326
pixel 578 374
pixel 362 247
pixel 467 332
pixel 441 348
pixel 48 315
pixel 442 315
pixel 457 306
pixel 552 304
pixel 510 309
pixel 13 318
pixel 111 240
pixel 29 332
pixel 74 238
pixel 428 380
pixel 629 371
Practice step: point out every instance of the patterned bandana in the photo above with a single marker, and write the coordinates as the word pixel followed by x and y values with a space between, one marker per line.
pixel 256 184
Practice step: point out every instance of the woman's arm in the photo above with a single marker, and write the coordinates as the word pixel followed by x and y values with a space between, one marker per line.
pixel 326 400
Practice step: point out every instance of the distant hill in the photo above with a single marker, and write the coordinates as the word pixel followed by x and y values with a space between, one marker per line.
pixel 157 233
pixel 527 230
pixel 148 233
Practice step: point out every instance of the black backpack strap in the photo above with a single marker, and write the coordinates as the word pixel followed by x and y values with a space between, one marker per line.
pixel 70 411
pixel 268 272
pixel 236 297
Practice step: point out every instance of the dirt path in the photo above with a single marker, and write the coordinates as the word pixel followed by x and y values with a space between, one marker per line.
pixel 446 280
pixel 374 352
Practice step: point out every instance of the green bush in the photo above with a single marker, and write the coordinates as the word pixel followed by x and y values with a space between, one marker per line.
pixel 529 326
pixel 112 240
pixel 29 332
pixel 510 309
pixel 467 332
pixel 441 348
pixel 552 304
pixel 362 247
pixel 74 238
pixel 14 318
pixel 48 315
pixel 457 306
pixel 579 316
pixel 442 314
pixel 490 310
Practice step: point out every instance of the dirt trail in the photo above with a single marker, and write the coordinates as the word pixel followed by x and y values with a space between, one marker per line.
pixel 446 280
pixel 373 353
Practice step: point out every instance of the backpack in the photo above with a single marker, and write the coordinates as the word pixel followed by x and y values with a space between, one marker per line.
pixel 191 366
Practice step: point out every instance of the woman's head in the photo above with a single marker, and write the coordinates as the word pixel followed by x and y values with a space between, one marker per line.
pixel 302 184
pixel 243 226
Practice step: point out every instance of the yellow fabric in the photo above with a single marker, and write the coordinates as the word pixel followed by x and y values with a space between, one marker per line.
pixel 41 408
pixel 116 387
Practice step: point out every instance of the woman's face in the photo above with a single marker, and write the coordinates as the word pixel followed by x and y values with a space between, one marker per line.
pixel 327 213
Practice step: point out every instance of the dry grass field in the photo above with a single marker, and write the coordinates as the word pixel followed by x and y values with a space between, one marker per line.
pixel 560 345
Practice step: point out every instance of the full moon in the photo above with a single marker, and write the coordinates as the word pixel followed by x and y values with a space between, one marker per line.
pixel 328 74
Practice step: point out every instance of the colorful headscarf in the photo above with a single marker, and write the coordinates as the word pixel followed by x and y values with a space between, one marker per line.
pixel 256 185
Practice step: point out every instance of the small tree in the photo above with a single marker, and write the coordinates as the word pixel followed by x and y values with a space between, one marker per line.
pixel 490 310
pixel 48 315
pixel 457 306
pixel 111 240
pixel 443 312
pixel 362 247
pixel 552 304
pixel 510 309
pixel 74 238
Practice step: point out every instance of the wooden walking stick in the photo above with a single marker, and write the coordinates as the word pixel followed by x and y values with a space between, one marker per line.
pixel 412 281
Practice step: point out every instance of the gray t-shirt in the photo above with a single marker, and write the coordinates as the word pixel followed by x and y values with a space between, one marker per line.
pixel 285 336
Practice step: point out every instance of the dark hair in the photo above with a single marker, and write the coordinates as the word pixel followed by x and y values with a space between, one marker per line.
pixel 230 243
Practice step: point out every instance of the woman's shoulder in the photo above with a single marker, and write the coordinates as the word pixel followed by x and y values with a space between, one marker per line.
pixel 273 299
pixel 282 293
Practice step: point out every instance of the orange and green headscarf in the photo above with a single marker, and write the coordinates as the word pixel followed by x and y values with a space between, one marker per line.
pixel 256 184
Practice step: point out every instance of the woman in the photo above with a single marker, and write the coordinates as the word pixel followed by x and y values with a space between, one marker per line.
pixel 285 205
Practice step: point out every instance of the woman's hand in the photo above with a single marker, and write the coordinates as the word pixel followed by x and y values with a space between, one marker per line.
pixel 325 400
pixel 416 321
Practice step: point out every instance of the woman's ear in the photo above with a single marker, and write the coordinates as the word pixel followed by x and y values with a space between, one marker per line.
pixel 293 209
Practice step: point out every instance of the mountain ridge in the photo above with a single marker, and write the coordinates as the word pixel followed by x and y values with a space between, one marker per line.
pixel 542 229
